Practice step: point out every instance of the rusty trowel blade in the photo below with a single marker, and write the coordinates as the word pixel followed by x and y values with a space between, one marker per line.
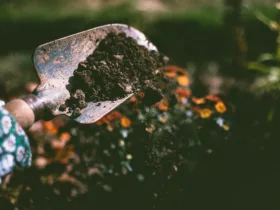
pixel 55 62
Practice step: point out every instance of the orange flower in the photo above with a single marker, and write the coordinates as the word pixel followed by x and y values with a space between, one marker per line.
pixel 106 121
pixel 133 99
pixel 125 122
pixel 65 137
pixel 205 113
pixel 102 121
pixel 173 68
pixel 183 80
pixel 170 74
pixel 198 100
pixel 163 105
pixel 183 92
pixel 220 107
pixel 99 122
pixel 63 155
pixel 113 116
pixel 50 127
pixel 213 98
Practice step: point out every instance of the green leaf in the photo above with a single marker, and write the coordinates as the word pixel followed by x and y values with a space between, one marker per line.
pixel 257 67
pixel 270 115
pixel 266 57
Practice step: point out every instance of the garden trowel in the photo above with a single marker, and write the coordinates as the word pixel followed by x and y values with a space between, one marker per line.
pixel 55 63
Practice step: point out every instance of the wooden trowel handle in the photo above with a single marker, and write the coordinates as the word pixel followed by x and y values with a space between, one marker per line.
pixel 26 111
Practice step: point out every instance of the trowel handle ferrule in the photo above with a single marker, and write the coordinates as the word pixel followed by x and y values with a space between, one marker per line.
pixel 27 110
pixel 36 105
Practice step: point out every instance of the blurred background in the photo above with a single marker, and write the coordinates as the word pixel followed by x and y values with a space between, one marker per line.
pixel 193 33
pixel 229 48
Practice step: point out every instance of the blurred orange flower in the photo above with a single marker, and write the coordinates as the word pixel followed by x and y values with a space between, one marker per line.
pixel 198 100
pixel 100 122
pixel 133 99
pixel 172 68
pixel 162 105
pixel 213 98
pixel 183 80
pixel 64 154
pixel 205 113
pixel 50 127
pixel 220 107
pixel 65 137
pixel 170 74
pixel 113 116
pixel 183 92
pixel 125 122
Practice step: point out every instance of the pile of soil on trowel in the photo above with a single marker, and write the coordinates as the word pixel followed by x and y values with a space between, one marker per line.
pixel 116 68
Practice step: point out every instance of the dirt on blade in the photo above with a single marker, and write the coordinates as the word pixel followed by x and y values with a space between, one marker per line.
pixel 117 67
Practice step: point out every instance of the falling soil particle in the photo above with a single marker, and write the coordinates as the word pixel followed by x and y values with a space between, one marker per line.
pixel 117 67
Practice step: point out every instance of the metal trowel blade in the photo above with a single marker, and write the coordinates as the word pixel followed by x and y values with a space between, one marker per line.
pixel 56 61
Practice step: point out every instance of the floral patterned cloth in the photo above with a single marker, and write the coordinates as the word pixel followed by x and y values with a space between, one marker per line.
pixel 14 144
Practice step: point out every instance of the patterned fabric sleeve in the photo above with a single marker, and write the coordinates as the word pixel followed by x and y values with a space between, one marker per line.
pixel 14 144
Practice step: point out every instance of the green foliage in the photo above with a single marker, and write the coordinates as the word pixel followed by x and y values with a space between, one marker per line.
pixel 16 70
pixel 267 64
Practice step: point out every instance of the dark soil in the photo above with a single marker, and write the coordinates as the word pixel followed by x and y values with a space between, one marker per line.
pixel 118 67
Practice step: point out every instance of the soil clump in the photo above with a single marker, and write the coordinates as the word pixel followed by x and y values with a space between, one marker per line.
pixel 116 68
